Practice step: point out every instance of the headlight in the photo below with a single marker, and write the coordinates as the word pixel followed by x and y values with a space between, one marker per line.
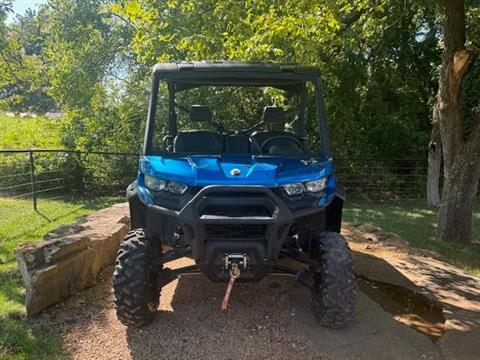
pixel 294 189
pixel 316 186
pixel 173 187
pixel 176 187
pixel 154 183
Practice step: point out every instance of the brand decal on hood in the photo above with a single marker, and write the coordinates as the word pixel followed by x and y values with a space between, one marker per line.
pixel 235 172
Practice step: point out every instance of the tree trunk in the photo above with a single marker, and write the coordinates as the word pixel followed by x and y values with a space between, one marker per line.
pixel 456 210
pixel 461 151
pixel 434 164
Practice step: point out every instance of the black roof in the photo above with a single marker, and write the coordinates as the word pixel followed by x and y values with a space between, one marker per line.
pixel 230 65
pixel 191 74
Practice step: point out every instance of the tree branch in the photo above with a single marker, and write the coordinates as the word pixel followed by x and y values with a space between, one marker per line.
pixel 6 7
pixel 462 60
pixel 10 70
pixel 112 74
pixel 349 20
pixel 126 21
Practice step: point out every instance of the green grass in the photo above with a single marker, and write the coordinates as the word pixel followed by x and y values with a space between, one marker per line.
pixel 20 224
pixel 28 133
pixel 416 223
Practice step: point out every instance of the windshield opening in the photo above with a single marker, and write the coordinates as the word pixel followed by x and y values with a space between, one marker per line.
pixel 241 119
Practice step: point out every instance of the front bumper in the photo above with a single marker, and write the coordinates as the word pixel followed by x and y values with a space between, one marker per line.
pixel 220 220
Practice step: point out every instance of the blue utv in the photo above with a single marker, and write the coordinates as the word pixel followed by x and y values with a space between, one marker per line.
pixel 236 174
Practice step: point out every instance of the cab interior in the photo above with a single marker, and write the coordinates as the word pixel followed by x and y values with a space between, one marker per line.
pixel 266 137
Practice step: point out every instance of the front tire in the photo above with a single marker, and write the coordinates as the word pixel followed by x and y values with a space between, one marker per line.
pixel 134 280
pixel 334 292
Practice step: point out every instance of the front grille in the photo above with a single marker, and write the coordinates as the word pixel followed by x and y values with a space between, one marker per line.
pixel 233 231
pixel 236 210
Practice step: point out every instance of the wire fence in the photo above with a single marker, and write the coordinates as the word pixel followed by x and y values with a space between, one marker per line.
pixel 382 178
pixel 53 174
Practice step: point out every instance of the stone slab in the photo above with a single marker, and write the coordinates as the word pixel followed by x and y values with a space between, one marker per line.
pixel 70 258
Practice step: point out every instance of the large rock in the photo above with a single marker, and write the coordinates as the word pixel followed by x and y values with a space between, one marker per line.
pixel 70 258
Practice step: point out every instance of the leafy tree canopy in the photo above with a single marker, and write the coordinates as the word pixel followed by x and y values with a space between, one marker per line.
pixel 379 60
pixel 24 83
pixel 378 57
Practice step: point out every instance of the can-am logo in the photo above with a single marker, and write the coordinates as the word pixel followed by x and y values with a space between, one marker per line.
pixel 235 172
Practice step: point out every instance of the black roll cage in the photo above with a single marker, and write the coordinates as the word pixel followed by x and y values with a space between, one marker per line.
pixel 180 77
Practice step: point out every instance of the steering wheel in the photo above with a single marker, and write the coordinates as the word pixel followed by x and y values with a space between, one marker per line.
pixel 280 137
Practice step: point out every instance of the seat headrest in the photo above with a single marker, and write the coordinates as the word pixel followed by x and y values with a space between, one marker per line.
pixel 198 141
pixel 200 113
pixel 273 115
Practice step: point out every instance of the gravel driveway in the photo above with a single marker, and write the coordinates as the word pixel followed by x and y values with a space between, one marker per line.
pixel 270 320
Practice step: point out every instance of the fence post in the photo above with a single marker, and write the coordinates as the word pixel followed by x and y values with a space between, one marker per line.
pixel 369 175
pixel 79 172
pixel 32 180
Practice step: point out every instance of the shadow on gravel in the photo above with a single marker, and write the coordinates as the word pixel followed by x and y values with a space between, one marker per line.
pixel 273 320
pixel 190 323
pixel 442 278
pixel 445 287
pixel 408 307
pixel 399 296
pixel 268 320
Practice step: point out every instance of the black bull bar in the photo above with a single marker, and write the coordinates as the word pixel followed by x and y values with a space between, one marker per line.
pixel 199 215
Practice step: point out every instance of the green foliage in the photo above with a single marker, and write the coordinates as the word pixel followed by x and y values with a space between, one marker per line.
pixel 30 133
pixel 24 83
pixel 5 8
pixel 98 174
pixel 253 30
pixel 378 58
pixel 81 48
pixel 473 25
pixel 113 123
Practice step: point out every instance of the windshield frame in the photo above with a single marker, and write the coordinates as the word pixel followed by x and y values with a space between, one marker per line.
pixel 257 78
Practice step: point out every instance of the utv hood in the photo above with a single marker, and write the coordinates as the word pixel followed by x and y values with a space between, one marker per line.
pixel 235 170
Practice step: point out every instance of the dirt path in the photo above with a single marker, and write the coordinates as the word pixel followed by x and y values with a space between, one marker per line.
pixel 270 320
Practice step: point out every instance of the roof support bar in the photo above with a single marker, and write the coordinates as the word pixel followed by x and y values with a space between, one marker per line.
pixel 321 117
pixel 172 114
pixel 152 111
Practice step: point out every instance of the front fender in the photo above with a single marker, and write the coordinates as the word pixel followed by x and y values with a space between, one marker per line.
pixel 138 210
pixel 334 211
